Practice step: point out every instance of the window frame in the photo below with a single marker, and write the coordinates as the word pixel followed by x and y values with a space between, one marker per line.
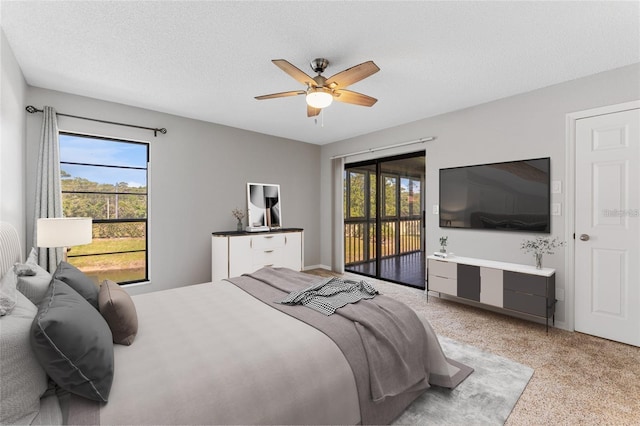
pixel 145 220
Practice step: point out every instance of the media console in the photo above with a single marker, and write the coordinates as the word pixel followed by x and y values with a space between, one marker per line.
pixel 510 286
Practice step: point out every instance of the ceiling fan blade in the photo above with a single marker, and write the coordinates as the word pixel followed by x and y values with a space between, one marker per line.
pixel 352 75
pixel 312 112
pixel 349 97
pixel 294 72
pixel 281 94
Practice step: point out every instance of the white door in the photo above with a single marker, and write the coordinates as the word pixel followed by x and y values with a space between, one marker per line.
pixel 607 226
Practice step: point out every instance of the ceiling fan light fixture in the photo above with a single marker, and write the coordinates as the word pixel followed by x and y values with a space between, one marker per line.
pixel 319 97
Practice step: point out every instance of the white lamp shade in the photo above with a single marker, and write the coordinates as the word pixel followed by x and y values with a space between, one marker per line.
pixel 64 231
pixel 319 97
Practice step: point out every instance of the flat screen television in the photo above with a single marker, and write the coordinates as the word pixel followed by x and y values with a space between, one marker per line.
pixel 509 196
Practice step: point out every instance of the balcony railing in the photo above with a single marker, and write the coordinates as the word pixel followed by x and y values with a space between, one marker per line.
pixel 398 236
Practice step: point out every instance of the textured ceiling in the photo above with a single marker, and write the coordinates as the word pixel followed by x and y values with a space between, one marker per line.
pixel 207 60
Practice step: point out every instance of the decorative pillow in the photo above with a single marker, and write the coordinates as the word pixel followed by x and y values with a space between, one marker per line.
pixel 24 270
pixel 78 281
pixel 23 380
pixel 8 292
pixel 33 286
pixel 118 309
pixel 33 256
pixel 73 343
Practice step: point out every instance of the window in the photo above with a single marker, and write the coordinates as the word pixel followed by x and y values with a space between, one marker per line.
pixel 106 179
pixel 356 194
pixel 390 193
pixel 410 198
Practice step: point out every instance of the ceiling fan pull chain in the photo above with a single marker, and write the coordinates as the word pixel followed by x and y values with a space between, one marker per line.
pixel 321 118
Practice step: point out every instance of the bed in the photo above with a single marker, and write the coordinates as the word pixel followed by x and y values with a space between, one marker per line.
pixel 226 353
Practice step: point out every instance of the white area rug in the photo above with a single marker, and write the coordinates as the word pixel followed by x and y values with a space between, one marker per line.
pixel 486 397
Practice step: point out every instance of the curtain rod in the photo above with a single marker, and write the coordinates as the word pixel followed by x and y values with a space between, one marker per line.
pixel 365 151
pixel 32 110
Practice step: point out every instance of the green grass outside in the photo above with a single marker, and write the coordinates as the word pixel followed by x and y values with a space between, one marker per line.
pixel 120 261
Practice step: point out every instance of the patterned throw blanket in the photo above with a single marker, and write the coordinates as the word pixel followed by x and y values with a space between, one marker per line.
pixel 331 293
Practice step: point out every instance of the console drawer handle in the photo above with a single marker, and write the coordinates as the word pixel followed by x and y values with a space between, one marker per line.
pixel 268 251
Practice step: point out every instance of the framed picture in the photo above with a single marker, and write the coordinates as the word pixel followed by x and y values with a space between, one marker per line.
pixel 264 206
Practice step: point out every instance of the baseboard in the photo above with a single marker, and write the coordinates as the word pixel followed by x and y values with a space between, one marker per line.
pixel 309 267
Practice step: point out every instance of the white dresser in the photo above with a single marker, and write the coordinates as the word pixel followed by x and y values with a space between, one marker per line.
pixel 237 253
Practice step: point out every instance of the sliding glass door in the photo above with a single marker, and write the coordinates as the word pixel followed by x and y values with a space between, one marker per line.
pixel 383 218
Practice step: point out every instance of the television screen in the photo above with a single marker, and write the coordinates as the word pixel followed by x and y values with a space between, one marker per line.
pixel 510 196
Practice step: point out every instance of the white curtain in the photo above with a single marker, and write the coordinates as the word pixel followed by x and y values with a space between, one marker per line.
pixel 337 220
pixel 48 191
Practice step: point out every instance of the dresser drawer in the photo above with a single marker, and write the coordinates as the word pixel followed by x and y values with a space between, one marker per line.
pixel 525 283
pixel 443 269
pixel 527 303
pixel 443 285
pixel 268 257
pixel 491 288
pixel 266 242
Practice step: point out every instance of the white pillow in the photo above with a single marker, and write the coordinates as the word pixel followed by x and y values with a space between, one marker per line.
pixel 8 292
pixel 33 286
pixel 23 379
pixel 33 256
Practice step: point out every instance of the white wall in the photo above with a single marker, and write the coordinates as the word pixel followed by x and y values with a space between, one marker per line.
pixel 198 174
pixel 13 90
pixel 529 125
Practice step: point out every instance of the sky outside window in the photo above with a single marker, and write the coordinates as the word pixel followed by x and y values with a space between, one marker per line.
pixel 86 150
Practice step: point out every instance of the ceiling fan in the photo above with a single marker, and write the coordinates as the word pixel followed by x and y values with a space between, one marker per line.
pixel 322 91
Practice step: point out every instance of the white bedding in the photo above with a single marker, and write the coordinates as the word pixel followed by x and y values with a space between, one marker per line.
pixel 212 354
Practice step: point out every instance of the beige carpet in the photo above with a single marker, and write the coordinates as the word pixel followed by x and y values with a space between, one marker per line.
pixel 578 379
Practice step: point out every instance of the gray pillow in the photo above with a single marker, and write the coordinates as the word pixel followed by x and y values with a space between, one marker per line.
pixel 118 310
pixel 78 281
pixel 33 286
pixel 73 343
pixel 23 380
pixel 24 270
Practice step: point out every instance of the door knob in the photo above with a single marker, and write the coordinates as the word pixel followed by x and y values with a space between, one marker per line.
pixel 584 237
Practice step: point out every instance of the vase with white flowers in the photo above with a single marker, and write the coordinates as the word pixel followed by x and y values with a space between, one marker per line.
pixel 540 246
pixel 239 215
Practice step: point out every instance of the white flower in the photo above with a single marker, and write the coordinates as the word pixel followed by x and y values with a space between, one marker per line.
pixel 238 214
pixel 542 245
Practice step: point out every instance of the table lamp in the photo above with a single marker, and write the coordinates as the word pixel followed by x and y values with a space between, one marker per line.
pixel 64 232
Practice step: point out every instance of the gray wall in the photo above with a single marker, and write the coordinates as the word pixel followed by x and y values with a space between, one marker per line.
pixel 12 140
pixel 198 174
pixel 529 125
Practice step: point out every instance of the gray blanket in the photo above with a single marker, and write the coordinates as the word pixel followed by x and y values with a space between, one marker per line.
pixel 383 340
